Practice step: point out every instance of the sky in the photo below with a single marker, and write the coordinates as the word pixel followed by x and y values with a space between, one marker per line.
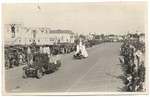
pixel 100 18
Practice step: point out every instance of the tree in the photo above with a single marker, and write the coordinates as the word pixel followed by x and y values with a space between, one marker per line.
pixel 102 35
pixel 97 36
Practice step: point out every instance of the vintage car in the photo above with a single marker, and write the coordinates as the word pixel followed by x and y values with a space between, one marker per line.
pixel 78 55
pixel 40 66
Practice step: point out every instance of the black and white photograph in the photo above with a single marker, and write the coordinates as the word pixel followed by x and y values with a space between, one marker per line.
pixel 80 48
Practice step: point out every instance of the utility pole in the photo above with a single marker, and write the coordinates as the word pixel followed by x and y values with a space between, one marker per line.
pixel 138 31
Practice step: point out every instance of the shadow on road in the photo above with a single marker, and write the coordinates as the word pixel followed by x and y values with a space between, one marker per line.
pixel 122 77
pixel 123 67
pixel 111 75
pixel 122 89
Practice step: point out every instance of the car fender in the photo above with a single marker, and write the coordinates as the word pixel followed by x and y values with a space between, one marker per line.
pixel 24 68
pixel 59 63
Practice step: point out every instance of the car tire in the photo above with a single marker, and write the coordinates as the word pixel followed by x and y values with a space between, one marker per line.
pixel 81 57
pixel 54 68
pixel 57 68
pixel 59 63
pixel 39 74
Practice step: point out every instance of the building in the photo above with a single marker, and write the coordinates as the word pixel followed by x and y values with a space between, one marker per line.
pixel 41 36
pixel 113 38
pixel 11 32
pixel 89 37
pixel 63 36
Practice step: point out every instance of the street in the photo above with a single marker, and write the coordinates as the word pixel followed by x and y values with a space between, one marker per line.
pixel 100 72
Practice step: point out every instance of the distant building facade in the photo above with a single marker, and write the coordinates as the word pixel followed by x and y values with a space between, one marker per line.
pixel 41 36
pixel 63 36
pixel 113 38
pixel 89 37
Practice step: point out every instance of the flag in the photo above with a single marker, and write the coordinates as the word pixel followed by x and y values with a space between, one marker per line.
pixel 138 53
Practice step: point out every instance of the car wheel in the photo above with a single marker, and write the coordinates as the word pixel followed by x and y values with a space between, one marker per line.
pixel 57 68
pixel 81 57
pixel 59 63
pixel 39 74
pixel 54 68
pixel 24 74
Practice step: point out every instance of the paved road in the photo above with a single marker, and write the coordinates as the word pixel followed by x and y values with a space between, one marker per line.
pixel 98 73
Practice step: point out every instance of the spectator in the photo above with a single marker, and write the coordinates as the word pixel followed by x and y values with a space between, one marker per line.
pixel 141 72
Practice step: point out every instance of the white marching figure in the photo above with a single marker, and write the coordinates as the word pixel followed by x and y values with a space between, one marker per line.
pixel 81 49
pixel 84 52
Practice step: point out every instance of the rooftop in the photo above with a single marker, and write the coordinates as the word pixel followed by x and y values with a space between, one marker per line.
pixel 61 31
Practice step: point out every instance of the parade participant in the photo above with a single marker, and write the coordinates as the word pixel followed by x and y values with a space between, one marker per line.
pixel 16 58
pixel 129 68
pixel 135 81
pixel 20 58
pixel 10 56
pixel 141 72
pixel 52 59
pixel 77 50
pixel 7 63
pixel 129 86
pixel 28 50
pixel 80 49
pixel 28 54
pixel 84 52
pixel 30 59
pixel 126 56
pixel 23 57
pixel 133 67
pixel 41 49
pixel 62 50
pixel 129 80
pixel 139 85
pixel 46 50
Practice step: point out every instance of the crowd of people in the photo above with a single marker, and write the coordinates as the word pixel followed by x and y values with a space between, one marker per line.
pixel 14 58
pixel 134 67
pixel 20 55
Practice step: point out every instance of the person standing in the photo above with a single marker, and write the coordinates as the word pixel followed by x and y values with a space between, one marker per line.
pixel 84 52
pixel 20 58
pixel 141 72
pixel 28 54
